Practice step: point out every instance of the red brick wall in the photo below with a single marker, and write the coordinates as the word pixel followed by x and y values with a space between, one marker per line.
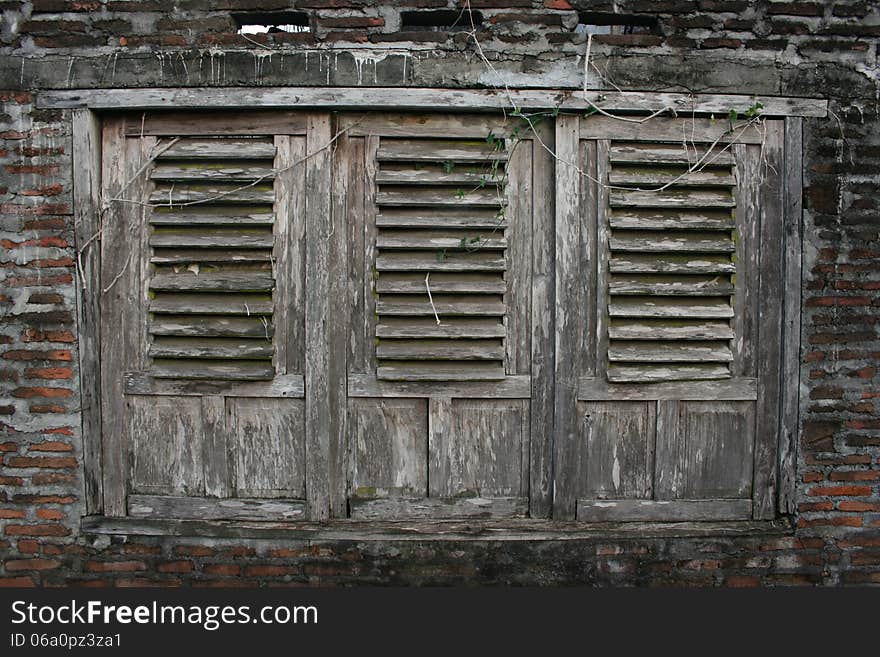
pixel 786 48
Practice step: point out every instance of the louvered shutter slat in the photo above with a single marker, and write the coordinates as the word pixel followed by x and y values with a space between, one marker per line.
pixel 671 259
pixel 212 276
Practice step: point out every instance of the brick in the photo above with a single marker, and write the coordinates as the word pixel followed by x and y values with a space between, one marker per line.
pixel 795 8
pixel 837 521
pixel 50 514
pixel 193 551
pixel 224 569
pixel 16 582
pixel 175 567
pixel 52 462
pixel 28 354
pixel 839 491
pixel 51 446
pixel 859 507
pixel 9 514
pixel 28 546
pixel 270 571
pixel 114 566
pixel 856 475
pixel 40 391
pixel 36 530
pixel 742 581
pixel 31 564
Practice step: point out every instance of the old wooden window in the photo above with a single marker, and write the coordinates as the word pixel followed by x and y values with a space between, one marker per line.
pixel 437 315
pixel 678 302
pixel 201 315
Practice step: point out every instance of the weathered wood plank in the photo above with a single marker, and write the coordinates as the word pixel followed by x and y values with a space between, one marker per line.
pixel 437 508
pixel 568 320
pixel 212 238
pixel 680 153
pixel 441 371
pixel 119 308
pixel 661 128
pixel 243 370
pixel 212 326
pixel 320 424
pixel 748 220
pixel 651 372
pixel 204 304
pixel 388 240
pixel 654 179
pixel 469 530
pixel 677 219
pixel 163 347
pixel 613 459
pixel 671 286
pixel 219 149
pixel 731 389
pixel 223 281
pixel 86 157
pixel 198 217
pixel 142 383
pixel 448 329
pixel 443 197
pixel 716 445
pixel 172 196
pixel 518 241
pixel 175 255
pixel 446 125
pixel 215 448
pixel 228 172
pixel 475 448
pixel 213 508
pixel 417 150
pixel 662 510
pixel 436 176
pixel 443 306
pixel 510 387
pixel 354 200
pixel 454 261
pixel 672 264
pixel 405 283
pixel 440 350
pixel 669 198
pixel 425 99
pixel 445 218
pixel 639 242
pixel 252 122
pixel 668 330
pixel 791 314
pixel 389 447
pixel 660 307
pixel 770 325
pixel 658 352
pixel 267 446
pixel 166 461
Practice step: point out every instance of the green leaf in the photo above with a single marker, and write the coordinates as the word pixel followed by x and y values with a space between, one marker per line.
pixel 448 166
pixel 441 255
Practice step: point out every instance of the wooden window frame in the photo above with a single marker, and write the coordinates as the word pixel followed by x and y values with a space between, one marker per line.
pixel 778 455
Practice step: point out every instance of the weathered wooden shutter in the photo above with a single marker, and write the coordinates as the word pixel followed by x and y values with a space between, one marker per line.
pixel 440 260
pixel 672 278
pixel 671 262
pixel 213 272
pixel 441 417
pixel 202 276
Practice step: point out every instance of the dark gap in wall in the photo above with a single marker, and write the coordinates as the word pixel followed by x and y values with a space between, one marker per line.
pixel 596 22
pixel 272 21
pixel 445 20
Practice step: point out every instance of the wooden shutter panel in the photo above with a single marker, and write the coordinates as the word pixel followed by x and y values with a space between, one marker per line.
pixel 671 262
pixel 440 231
pixel 212 273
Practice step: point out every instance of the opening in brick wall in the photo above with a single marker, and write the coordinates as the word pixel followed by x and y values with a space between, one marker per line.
pixel 439 21
pixel 267 22
pixel 592 22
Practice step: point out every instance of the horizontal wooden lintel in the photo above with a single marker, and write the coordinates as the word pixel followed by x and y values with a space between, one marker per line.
pixel 212 508
pixel 663 510
pixel 404 508
pixel 744 389
pixel 510 387
pixel 428 530
pixel 143 383
pixel 423 99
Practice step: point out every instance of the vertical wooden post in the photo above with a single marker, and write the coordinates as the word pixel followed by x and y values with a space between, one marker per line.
pixel 325 361
pixel 87 207
pixel 567 316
